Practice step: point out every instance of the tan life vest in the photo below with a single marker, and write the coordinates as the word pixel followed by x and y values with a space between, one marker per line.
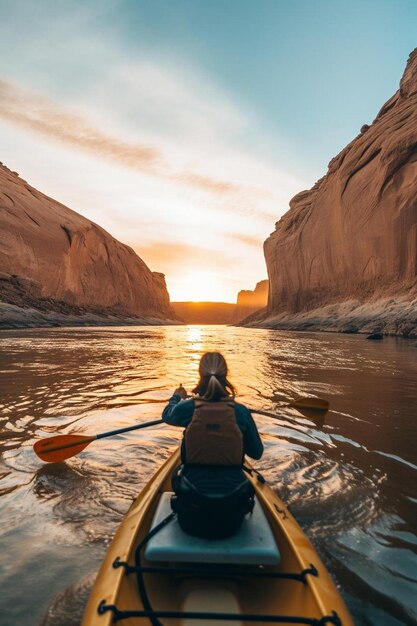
pixel 213 436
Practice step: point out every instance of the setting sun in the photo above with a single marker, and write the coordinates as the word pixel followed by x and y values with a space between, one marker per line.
pixel 200 286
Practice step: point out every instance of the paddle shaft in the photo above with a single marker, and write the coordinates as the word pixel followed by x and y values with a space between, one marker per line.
pixel 107 434
pixel 125 430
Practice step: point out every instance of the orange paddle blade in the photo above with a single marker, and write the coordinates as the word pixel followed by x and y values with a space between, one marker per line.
pixel 61 447
pixel 314 404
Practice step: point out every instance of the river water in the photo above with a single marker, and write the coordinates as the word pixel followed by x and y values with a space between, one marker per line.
pixel 350 482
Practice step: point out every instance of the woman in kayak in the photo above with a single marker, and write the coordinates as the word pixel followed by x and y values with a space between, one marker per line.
pixel 213 493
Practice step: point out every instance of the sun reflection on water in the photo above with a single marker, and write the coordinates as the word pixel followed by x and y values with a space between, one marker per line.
pixel 194 336
pixel 194 350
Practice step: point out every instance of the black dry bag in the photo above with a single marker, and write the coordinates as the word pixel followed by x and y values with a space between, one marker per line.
pixel 211 516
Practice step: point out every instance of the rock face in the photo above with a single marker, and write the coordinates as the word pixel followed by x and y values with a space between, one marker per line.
pixel 54 260
pixel 249 302
pixel 345 254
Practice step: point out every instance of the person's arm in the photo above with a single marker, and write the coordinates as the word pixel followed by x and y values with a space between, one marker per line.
pixel 178 412
pixel 251 439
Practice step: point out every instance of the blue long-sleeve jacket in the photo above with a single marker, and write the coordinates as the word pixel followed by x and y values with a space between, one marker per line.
pixel 180 412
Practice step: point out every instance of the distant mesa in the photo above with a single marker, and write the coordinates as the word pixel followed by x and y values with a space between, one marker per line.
pixel 344 257
pixel 204 312
pixel 223 312
pixel 58 268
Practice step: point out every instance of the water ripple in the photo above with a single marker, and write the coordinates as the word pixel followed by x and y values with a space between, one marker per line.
pixel 349 480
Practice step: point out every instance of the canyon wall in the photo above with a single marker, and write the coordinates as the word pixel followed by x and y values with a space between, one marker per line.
pixel 250 301
pixel 58 267
pixel 344 257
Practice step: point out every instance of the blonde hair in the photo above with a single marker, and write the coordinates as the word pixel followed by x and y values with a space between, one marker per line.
pixel 213 384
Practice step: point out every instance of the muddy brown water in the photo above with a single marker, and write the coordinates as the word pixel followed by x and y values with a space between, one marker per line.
pixel 350 483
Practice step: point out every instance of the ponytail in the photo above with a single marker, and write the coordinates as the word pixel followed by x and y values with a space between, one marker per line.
pixel 215 390
pixel 213 384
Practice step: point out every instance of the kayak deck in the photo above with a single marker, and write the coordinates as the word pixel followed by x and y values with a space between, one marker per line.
pixel 254 544
pixel 181 593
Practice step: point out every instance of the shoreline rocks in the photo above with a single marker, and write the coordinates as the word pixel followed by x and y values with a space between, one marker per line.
pixel 14 317
pixel 375 337
pixel 392 317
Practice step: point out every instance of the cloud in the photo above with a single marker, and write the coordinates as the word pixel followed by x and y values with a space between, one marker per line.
pixel 180 254
pixel 247 240
pixel 208 184
pixel 40 114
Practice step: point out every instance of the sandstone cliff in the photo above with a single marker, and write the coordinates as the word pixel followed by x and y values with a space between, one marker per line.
pixel 250 301
pixel 344 257
pixel 58 267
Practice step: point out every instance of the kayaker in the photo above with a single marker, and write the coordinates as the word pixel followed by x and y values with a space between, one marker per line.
pixel 213 493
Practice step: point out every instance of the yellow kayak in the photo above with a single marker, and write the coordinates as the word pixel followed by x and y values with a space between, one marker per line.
pixel 153 573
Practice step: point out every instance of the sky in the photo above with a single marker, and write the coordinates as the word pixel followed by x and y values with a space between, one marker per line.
pixel 184 127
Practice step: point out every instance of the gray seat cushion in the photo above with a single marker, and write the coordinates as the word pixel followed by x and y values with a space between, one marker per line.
pixel 254 544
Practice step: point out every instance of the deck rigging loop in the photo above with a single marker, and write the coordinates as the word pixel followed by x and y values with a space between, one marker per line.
pixel 213 571
pixel 152 615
